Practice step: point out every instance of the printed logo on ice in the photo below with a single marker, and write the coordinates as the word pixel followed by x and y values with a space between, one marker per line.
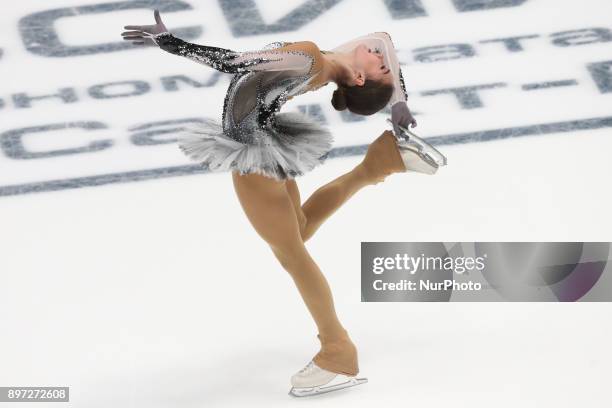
pixel 70 129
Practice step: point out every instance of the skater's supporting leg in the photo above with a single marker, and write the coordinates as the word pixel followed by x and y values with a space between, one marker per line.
pixel 270 210
pixel 381 160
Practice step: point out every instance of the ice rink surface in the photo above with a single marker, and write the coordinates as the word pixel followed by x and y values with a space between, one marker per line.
pixel 135 279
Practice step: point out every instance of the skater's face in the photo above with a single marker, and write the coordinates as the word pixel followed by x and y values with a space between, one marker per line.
pixel 370 63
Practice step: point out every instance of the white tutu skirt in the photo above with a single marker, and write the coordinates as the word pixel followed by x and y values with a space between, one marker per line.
pixel 294 146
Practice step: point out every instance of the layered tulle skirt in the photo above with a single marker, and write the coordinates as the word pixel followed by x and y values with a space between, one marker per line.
pixel 294 145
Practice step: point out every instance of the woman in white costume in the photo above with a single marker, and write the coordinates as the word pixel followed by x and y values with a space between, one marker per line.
pixel 265 150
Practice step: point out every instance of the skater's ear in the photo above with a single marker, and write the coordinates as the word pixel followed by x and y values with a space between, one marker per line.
pixel 357 78
pixel 360 78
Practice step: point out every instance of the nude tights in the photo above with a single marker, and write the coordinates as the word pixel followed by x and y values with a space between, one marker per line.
pixel 274 209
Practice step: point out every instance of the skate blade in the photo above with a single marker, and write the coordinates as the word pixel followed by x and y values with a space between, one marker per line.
pixel 431 154
pixel 322 389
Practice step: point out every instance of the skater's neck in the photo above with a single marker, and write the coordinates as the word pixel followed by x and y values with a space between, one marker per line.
pixel 337 67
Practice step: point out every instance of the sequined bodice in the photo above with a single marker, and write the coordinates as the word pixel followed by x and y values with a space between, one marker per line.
pixel 253 97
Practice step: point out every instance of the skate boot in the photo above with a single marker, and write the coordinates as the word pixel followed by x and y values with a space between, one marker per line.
pixel 383 158
pixel 333 368
pixel 417 154
pixel 312 380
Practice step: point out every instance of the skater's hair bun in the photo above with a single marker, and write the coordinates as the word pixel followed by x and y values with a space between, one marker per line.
pixel 338 99
pixel 362 100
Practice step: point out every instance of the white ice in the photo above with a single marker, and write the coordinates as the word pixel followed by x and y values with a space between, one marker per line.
pixel 159 293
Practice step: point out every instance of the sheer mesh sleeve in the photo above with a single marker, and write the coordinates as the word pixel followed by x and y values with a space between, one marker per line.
pixel 382 42
pixel 278 59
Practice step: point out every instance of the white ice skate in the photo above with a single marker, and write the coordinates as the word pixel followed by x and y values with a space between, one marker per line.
pixel 417 154
pixel 312 380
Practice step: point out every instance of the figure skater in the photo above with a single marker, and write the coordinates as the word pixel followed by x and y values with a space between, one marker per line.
pixel 265 150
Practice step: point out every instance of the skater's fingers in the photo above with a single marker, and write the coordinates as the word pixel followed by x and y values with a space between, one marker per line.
pixel 133 37
pixel 134 27
pixel 131 33
pixel 158 19
pixel 396 130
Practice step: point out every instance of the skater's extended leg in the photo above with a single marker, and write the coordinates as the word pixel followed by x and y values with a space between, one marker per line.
pixel 270 210
pixel 326 200
pixel 381 160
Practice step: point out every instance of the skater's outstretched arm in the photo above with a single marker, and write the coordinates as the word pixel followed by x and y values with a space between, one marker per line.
pixel 221 59
pixel 230 61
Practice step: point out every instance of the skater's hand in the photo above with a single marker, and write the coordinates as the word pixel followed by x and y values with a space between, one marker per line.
pixel 400 115
pixel 143 35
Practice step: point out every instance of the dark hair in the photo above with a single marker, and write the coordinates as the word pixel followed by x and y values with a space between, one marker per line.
pixel 362 100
